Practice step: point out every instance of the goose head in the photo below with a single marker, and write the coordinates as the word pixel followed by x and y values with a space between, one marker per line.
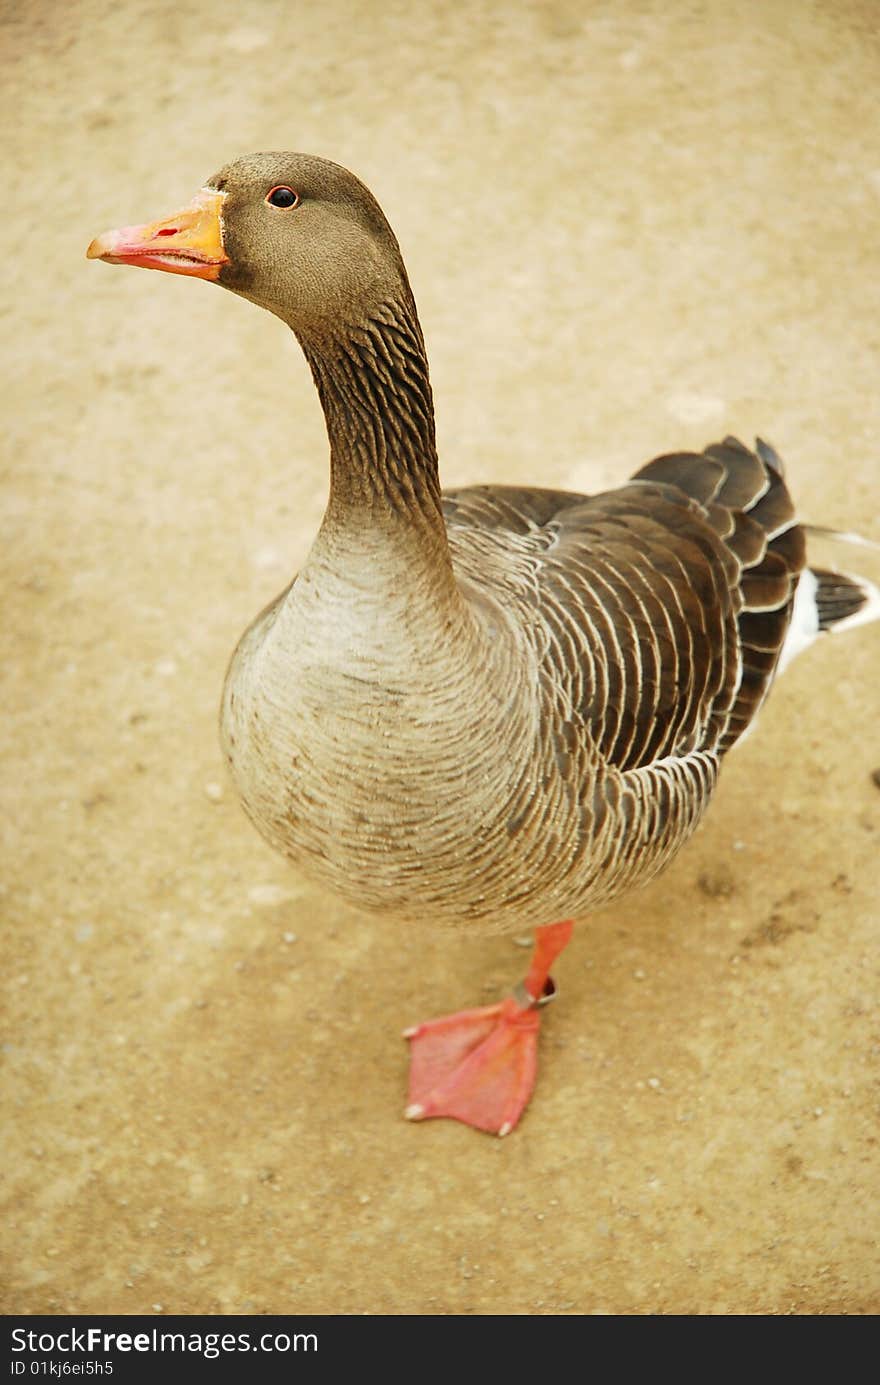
pixel 297 235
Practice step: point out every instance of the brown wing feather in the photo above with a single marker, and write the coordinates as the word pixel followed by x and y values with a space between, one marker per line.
pixel 664 603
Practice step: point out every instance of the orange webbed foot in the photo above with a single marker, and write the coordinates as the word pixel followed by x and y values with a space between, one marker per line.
pixel 479 1066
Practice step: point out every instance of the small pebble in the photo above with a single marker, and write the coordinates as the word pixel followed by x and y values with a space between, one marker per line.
pixel 214 792
pixel 267 894
pixel 267 558
pixel 289 937
pixel 694 408
pixel 654 1082
pixel 245 40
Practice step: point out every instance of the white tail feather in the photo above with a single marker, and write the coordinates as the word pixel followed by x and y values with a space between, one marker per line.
pixel 804 625
pixel 842 536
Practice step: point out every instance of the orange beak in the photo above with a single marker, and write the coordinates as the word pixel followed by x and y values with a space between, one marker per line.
pixel 189 243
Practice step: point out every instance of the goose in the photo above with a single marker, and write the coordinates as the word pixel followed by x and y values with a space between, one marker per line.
pixel 493 707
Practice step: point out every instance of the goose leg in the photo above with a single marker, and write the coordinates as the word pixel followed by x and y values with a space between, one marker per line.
pixel 479 1066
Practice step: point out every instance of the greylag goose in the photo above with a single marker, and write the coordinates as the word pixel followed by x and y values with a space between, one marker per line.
pixel 491 707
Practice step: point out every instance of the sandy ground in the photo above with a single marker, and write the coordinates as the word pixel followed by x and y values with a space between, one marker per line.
pixel 630 226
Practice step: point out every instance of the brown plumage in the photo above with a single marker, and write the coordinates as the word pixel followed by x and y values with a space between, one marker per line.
pixel 497 706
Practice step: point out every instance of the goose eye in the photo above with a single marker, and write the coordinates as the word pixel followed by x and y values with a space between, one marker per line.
pixel 282 197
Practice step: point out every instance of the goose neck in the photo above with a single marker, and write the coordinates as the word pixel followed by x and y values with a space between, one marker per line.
pixel 372 380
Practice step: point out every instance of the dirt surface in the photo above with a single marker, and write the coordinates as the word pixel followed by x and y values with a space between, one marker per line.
pixel 630 226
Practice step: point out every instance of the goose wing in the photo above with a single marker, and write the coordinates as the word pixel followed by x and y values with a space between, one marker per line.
pixel 659 609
